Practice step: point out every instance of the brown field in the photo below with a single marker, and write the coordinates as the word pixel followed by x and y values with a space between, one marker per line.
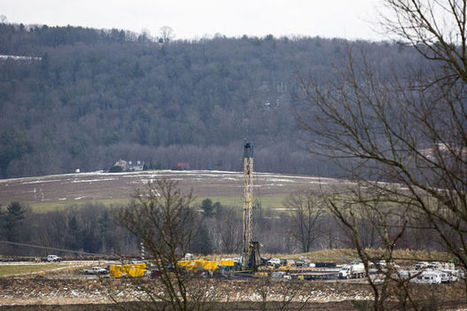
pixel 57 191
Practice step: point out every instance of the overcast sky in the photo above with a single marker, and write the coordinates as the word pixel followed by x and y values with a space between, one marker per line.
pixel 352 19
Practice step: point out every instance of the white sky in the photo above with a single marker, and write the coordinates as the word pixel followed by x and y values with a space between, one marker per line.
pixel 351 19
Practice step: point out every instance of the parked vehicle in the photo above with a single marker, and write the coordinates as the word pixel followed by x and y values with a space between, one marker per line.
pixel 384 266
pixel 95 270
pixel 374 268
pixel 430 277
pixel 325 264
pixel 278 274
pixel 300 263
pixel 445 276
pixel 434 265
pixel 421 265
pixel 51 258
pixel 352 271
pixel 453 275
pixel 449 274
pixel 275 262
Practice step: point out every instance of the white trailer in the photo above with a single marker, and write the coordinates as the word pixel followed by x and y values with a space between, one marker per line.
pixel 430 277
pixel 352 271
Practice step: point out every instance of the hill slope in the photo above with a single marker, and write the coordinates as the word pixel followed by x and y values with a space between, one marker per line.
pixel 91 97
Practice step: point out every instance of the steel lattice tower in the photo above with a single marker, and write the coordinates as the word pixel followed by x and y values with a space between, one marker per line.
pixel 247 196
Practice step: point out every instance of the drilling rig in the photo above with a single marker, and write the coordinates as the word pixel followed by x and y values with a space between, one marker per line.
pixel 251 258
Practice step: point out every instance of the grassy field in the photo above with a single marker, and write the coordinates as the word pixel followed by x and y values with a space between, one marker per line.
pixel 7 270
pixel 54 192
pixel 43 207
pixel 267 201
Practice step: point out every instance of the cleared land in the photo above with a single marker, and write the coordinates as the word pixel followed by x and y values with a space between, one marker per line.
pixel 63 286
pixel 57 191
pixel 30 269
pixel 69 289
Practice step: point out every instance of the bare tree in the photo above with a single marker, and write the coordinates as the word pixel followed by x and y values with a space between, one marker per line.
pixel 161 217
pixel 406 145
pixel 167 34
pixel 305 209
pixel 229 230
pixel 401 139
pixel 415 137
pixel 436 28
pixel 388 223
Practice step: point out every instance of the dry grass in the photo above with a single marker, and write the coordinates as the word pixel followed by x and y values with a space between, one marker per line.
pixel 8 270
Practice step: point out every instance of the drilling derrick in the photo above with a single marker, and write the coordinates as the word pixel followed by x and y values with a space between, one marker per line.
pixel 250 249
pixel 247 196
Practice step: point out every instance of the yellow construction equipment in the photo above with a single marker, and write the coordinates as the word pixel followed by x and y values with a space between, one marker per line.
pixel 201 264
pixel 127 270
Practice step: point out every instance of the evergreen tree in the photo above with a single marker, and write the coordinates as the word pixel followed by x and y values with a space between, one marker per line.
pixel 207 207
pixel 11 220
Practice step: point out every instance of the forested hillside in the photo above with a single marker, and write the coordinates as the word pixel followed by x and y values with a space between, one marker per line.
pixel 95 96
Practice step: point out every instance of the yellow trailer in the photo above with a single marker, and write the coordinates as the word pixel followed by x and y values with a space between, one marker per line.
pixel 127 270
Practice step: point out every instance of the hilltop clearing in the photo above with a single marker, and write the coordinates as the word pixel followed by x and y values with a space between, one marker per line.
pixel 55 191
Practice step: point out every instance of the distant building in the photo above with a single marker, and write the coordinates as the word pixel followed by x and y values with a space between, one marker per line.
pixel 20 58
pixel 183 165
pixel 122 164
pixel 127 166
pixel 136 166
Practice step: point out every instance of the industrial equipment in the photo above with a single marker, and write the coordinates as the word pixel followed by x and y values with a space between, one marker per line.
pixel 251 258
pixel 127 270
pixel 201 264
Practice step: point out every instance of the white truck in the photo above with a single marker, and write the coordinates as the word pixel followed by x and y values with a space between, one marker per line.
pixel 275 262
pixel 429 277
pixel 352 271
pixel 52 258
pixel 95 270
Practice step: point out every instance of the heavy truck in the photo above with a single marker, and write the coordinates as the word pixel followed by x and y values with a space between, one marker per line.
pixel 352 271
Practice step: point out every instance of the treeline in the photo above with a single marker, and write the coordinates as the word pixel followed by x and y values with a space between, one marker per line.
pixel 89 228
pixel 93 228
pixel 96 96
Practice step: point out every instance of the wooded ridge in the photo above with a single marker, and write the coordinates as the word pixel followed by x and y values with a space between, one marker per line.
pixel 89 97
